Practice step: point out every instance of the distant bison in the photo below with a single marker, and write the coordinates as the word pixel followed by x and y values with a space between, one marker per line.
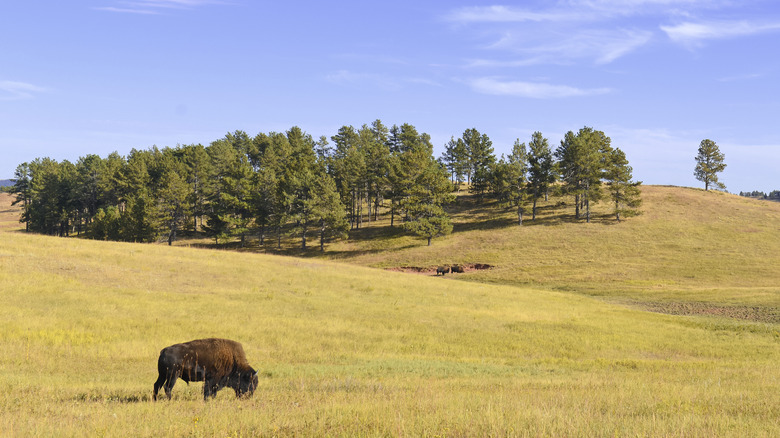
pixel 219 362
pixel 457 268
pixel 443 270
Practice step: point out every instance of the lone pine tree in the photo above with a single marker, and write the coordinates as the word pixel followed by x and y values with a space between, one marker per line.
pixel 709 163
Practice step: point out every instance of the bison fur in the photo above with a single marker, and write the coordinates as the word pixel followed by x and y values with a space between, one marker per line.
pixel 219 363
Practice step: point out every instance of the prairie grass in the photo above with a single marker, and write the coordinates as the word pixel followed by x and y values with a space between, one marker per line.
pixel 346 350
pixel 688 246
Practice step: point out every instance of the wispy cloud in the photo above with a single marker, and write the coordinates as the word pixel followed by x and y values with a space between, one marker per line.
pixel 534 90
pixel 383 81
pixel 692 34
pixel 566 32
pixel 11 90
pixel 507 14
pixel 153 7
pixel 600 46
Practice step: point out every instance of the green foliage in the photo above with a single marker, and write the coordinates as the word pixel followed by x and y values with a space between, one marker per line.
pixel 709 163
pixel 622 190
pixel 540 169
pixel 239 187
pixel 479 150
pixel 582 160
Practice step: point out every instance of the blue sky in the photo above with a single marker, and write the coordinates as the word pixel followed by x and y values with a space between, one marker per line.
pixel 657 76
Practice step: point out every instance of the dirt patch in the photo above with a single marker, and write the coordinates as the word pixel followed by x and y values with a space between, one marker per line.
pixel 748 313
pixel 432 270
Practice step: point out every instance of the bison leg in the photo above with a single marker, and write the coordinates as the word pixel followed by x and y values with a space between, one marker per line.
pixel 210 388
pixel 157 385
pixel 170 380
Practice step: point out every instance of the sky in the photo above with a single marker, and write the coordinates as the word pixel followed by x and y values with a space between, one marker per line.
pixel 83 77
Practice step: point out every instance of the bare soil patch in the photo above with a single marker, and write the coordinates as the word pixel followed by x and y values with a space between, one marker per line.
pixel 748 313
pixel 432 270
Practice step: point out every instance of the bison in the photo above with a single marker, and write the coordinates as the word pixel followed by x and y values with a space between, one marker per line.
pixel 457 269
pixel 218 363
pixel 443 270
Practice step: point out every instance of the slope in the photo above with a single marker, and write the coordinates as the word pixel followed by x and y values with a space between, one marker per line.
pixel 690 250
pixel 347 350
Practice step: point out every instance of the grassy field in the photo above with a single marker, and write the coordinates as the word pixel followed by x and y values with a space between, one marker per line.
pixel 690 251
pixel 347 350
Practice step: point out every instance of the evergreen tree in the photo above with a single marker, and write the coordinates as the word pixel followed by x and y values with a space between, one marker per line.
pixel 23 192
pixel 44 212
pixel 198 171
pixel 581 165
pixel 622 190
pixel 481 159
pixel 426 189
pixel 709 163
pixel 230 210
pixel 517 176
pixel 298 182
pixel 173 196
pixel 349 171
pixel 540 169
pixel 328 209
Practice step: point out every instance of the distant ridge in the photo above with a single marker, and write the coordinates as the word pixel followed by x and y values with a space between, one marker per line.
pixel 6 183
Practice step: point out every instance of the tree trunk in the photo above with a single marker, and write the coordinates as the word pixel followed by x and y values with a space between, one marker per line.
pixel 429 240
pixel 587 210
pixel 576 206
pixel 322 235
pixel 533 211
pixel 519 213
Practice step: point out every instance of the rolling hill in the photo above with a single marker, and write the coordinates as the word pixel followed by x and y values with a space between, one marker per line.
pixel 552 340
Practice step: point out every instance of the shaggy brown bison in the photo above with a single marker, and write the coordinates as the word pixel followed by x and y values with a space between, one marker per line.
pixel 218 363
pixel 457 269
pixel 443 270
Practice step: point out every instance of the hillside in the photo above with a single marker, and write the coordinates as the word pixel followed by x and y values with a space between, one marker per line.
pixel 347 350
pixel 690 251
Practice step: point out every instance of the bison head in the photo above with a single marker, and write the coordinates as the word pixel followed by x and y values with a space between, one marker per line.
pixel 247 383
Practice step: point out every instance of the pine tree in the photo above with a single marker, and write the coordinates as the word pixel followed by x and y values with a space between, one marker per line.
pixel 709 163
pixel 427 189
pixel 22 192
pixel 622 190
pixel 481 158
pixel 540 169
pixel 518 177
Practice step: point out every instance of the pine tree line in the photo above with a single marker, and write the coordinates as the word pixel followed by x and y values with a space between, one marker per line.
pixel 584 166
pixel 288 184
pixel 275 183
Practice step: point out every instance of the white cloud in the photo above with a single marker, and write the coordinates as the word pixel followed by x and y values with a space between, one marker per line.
pixel 154 7
pixel 534 90
pixel 602 46
pixel 11 90
pixel 507 14
pixel 690 33
pixel 560 34
pixel 386 82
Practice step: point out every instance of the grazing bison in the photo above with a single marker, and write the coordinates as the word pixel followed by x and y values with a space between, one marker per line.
pixel 457 268
pixel 216 362
pixel 443 270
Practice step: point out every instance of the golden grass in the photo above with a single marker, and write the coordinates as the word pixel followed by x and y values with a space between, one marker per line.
pixel 354 351
pixel 688 246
